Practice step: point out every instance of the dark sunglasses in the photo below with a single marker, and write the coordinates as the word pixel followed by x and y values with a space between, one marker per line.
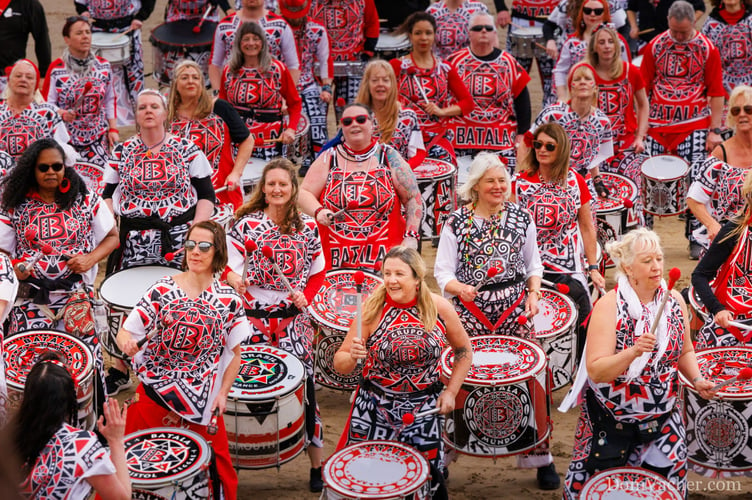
pixel 480 27
pixel 75 19
pixel 203 246
pixel 56 167
pixel 738 109
pixel 596 11
pixel 347 121
pixel 550 147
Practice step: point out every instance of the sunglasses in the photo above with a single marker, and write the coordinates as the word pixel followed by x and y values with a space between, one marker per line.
pixel 590 12
pixel 480 27
pixel 550 146
pixel 738 109
pixel 56 167
pixel 75 19
pixel 347 121
pixel 203 246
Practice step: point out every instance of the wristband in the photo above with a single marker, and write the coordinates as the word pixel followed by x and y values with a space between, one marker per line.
pixel 316 212
pixel 114 130
pixel 223 277
pixel 326 88
pixel 536 292
pixel 412 234
pixel 592 267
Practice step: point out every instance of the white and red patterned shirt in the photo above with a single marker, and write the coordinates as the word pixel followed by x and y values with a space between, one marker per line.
pixel 155 184
pixel 6 163
pixel 279 37
pixel 37 121
pixel 679 78
pixel 212 136
pixel 734 43
pixel 61 471
pixel 533 8
pixel 719 188
pixel 77 230
pixel 8 290
pixel 452 26
pixel 178 10
pixel 555 208
pixel 407 138
pixel 312 42
pixel 590 138
pixel 348 23
pixel 185 361
pixel 616 100
pixel 93 109
pixel 111 9
pixel 494 85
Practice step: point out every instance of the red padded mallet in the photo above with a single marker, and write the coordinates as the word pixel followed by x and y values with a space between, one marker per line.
pixel 744 374
pixel 250 248
pixel 269 254
pixel 197 28
pixel 673 276
pixel 490 273
pixel 358 278
pixel 409 418
pixel 170 256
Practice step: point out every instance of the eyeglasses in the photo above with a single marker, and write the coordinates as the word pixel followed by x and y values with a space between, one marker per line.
pixel 738 109
pixel 480 27
pixel 590 12
pixel 203 246
pixel 347 121
pixel 75 19
pixel 56 167
pixel 550 146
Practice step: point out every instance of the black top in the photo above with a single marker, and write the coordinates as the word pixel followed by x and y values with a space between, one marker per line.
pixel 650 15
pixel 238 130
pixel 395 12
pixel 707 268
pixel 17 21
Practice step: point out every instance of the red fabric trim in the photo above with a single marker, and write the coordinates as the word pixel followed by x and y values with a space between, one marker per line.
pixel 475 310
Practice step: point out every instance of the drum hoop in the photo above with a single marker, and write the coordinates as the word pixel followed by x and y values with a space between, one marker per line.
pixel 422 477
pixel 160 43
pixel 650 475
pixel 169 271
pixel 620 207
pixel 202 460
pixel 546 435
pixel 107 37
pixel 449 174
pixel 570 321
pixel 298 375
pixel 665 179
pixel 722 393
pixel 81 376
pixel 316 314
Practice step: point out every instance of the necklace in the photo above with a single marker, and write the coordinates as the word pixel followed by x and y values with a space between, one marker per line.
pixel 155 146
pixel 493 231
pixel 358 157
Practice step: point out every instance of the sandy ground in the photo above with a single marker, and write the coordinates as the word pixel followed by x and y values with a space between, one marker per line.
pixel 470 478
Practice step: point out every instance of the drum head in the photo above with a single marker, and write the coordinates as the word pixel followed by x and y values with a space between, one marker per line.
pixel 266 372
pixel 334 304
pixel 620 188
pixel 665 168
pixel 108 40
pixel 164 456
pixel 252 172
pixel 92 174
pixel 125 288
pixel 556 314
pixel 376 469
pixel 499 360
pixel 432 169
pixel 22 352
pixel 527 31
pixel 722 363
pixel 180 35
pixel 391 41
pixel 624 483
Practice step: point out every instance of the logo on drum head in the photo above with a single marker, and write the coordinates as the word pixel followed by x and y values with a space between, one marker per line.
pixel 497 417
pixel 721 431
pixel 259 370
pixel 158 455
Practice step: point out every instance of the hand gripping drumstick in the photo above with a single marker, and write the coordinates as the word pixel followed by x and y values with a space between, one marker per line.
pixel 409 418
pixel 413 72
pixel 250 247
pixel 351 205
pixel 673 276
pixel 167 321
pixel 197 28
pixel 490 273
pixel 46 250
pixel 744 374
pixel 269 254
pixel 212 427
pixel 358 278
pixel 87 88
pixel 740 326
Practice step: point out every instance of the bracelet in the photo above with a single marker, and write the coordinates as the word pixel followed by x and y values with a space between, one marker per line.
pixel 412 234
pixel 114 130
pixel 537 292
pixel 316 212
pixel 593 267
pixel 326 88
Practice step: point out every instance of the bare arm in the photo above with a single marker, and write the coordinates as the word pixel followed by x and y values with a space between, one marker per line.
pixel 463 353
pixel 113 486
pixel 215 76
pixel 312 186
pixel 245 149
pixel 204 209
pixel 603 363
pixel 701 212
pixel 406 186
pixel 227 380
pixel 352 349
pixel 587 229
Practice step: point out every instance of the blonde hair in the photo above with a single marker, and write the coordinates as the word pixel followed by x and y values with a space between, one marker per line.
pixel 292 220
pixel 742 92
pixel 616 68
pixel 427 310
pixel 623 252
pixel 205 103
pixel 387 118
pixel 579 69
pixel 529 162
pixel 482 163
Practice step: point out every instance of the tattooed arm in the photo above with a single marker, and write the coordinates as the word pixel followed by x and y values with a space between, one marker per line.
pixel 463 352
pixel 407 189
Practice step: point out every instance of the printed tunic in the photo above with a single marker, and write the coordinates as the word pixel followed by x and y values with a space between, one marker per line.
pixel 734 43
pixel 8 290
pixel 452 32
pixel 348 23
pixel 616 100
pixel 185 361
pixel 406 138
pixel 37 121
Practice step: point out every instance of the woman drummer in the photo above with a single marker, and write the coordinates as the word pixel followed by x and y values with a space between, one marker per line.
pixel 401 335
pixel 214 126
pixel 191 327
pixel 80 85
pixel 624 357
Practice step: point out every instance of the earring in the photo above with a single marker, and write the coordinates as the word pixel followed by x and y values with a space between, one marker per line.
pixel 64 185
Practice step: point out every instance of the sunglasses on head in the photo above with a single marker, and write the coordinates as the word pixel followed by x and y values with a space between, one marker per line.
pixel 480 27
pixel 550 146
pixel 75 19
pixel 203 246
pixel 590 12
pixel 56 167
pixel 347 121
pixel 735 110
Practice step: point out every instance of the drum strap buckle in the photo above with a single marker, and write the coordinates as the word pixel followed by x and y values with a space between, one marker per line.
pixel 171 420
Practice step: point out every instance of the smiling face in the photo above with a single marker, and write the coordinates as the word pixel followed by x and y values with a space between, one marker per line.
pixel 422 37
pixel 197 260
pixel 48 181
pixel 277 188
pixel 492 187
pixel 79 39
pixel 150 111
pixel 379 85
pixel 188 83
pixel 250 46
pixel 357 135
pixel 742 122
pixel 399 280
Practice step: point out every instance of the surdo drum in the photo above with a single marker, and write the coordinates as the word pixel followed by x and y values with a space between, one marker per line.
pixel 377 470
pixel 22 352
pixel 665 180
pixel 613 217
pixel 436 184
pixel 92 174
pixel 555 326
pixel 168 462
pixel 502 407
pixel 392 46
pixel 176 41
pixel 251 176
pixel 120 293
pixel 114 47
pixel 333 309
pixel 523 40
pixel 625 483
pixel 719 434
pixel 264 418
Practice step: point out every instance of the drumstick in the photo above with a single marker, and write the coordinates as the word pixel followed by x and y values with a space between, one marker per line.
pixel 87 88
pixel 409 418
pixel 269 254
pixel 673 276
pixel 741 326
pixel 170 256
pixel 30 234
pixel 358 278
pixel 648 30
pixel 351 205
pixel 493 271
pixel 413 72
pixel 220 189
pixel 197 28
pixel 212 427
pixel 46 250
pixel 275 139
pixel 167 321
pixel 744 374
pixel 250 247
pixel 121 35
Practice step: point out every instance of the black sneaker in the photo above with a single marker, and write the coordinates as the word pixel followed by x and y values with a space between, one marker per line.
pixel 303 170
pixel 117 381
pixel 316 484
pixel 695 250
pixel 548 479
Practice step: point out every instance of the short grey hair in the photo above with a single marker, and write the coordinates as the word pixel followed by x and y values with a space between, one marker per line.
pixel 682 11
pixel 480 14
pixel 481 164
pixel 623 252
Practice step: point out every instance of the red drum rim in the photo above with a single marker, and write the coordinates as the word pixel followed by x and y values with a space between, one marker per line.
pixel 186 451
pixel 332 319
pixel 79 357
pixel 266 373
pixel 614 203
pixel 559 299
pixel 643 480
pixel 109 288
pixel 526 357
pixel 677 160
pixel 432 169
pixel 336 475
pixel 207 32
pixel 709 359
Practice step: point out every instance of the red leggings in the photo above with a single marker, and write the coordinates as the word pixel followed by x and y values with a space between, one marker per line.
pixel 146 414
